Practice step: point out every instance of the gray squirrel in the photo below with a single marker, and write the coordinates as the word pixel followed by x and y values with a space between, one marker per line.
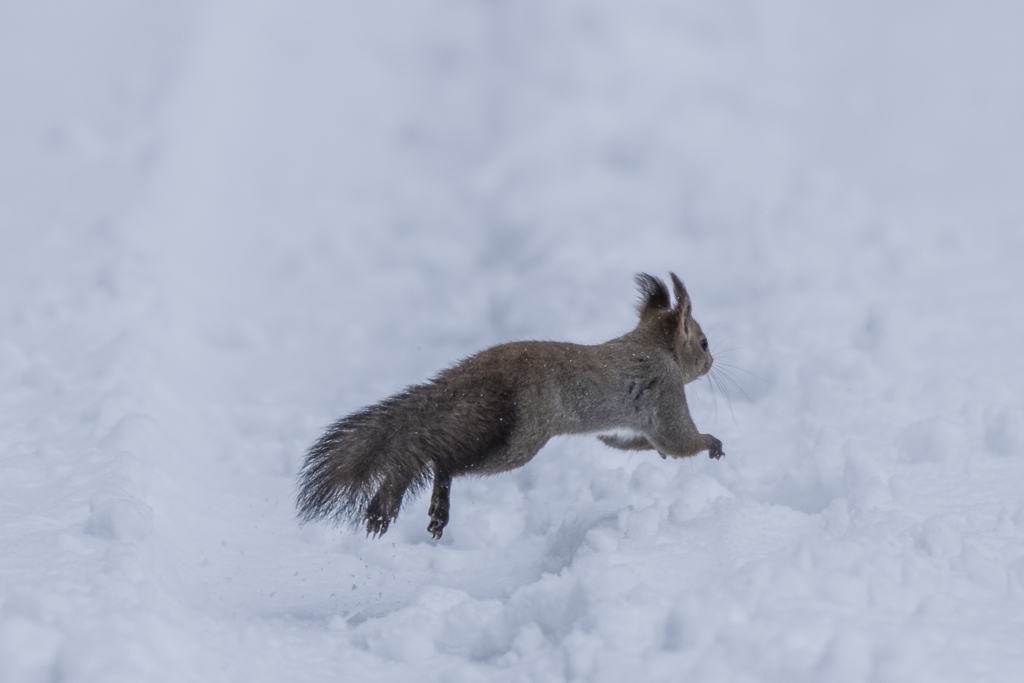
pixel 493 411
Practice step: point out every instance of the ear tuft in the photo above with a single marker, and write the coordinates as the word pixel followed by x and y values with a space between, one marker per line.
pixel 653 293
pixel 683 304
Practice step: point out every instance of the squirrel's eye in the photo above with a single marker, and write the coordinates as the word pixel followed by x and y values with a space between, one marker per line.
pixel 704 344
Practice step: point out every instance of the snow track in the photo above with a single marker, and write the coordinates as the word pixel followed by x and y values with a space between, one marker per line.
pixel 227 224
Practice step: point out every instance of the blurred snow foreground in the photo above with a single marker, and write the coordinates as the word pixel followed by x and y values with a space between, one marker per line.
pixel 225 225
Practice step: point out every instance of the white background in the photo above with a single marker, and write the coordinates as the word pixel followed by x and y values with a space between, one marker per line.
pixel 226 224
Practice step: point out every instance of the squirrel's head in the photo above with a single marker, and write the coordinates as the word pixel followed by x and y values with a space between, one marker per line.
pixel 673 326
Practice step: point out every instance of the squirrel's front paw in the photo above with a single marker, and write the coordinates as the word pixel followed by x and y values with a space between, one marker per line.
pixel 715 449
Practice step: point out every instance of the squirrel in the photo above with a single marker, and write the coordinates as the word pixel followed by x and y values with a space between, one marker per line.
pixel 494 411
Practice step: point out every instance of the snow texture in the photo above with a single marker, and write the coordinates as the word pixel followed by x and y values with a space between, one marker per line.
pixel 226 224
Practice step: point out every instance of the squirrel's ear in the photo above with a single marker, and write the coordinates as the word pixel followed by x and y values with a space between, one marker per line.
pixel 653 294
pixel 683 304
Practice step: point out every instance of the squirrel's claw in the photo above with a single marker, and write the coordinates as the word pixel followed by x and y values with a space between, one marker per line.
pixel 377 527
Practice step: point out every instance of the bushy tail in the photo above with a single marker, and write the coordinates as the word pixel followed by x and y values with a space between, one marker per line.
pixel 365 463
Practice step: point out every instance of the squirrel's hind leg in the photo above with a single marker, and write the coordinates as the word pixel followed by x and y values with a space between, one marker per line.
pixel 439 502
pixel 384 506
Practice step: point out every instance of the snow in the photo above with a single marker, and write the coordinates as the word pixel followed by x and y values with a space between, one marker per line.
pixel 226 224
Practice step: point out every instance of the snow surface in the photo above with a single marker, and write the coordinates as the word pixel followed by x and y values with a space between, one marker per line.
pixel 227 224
